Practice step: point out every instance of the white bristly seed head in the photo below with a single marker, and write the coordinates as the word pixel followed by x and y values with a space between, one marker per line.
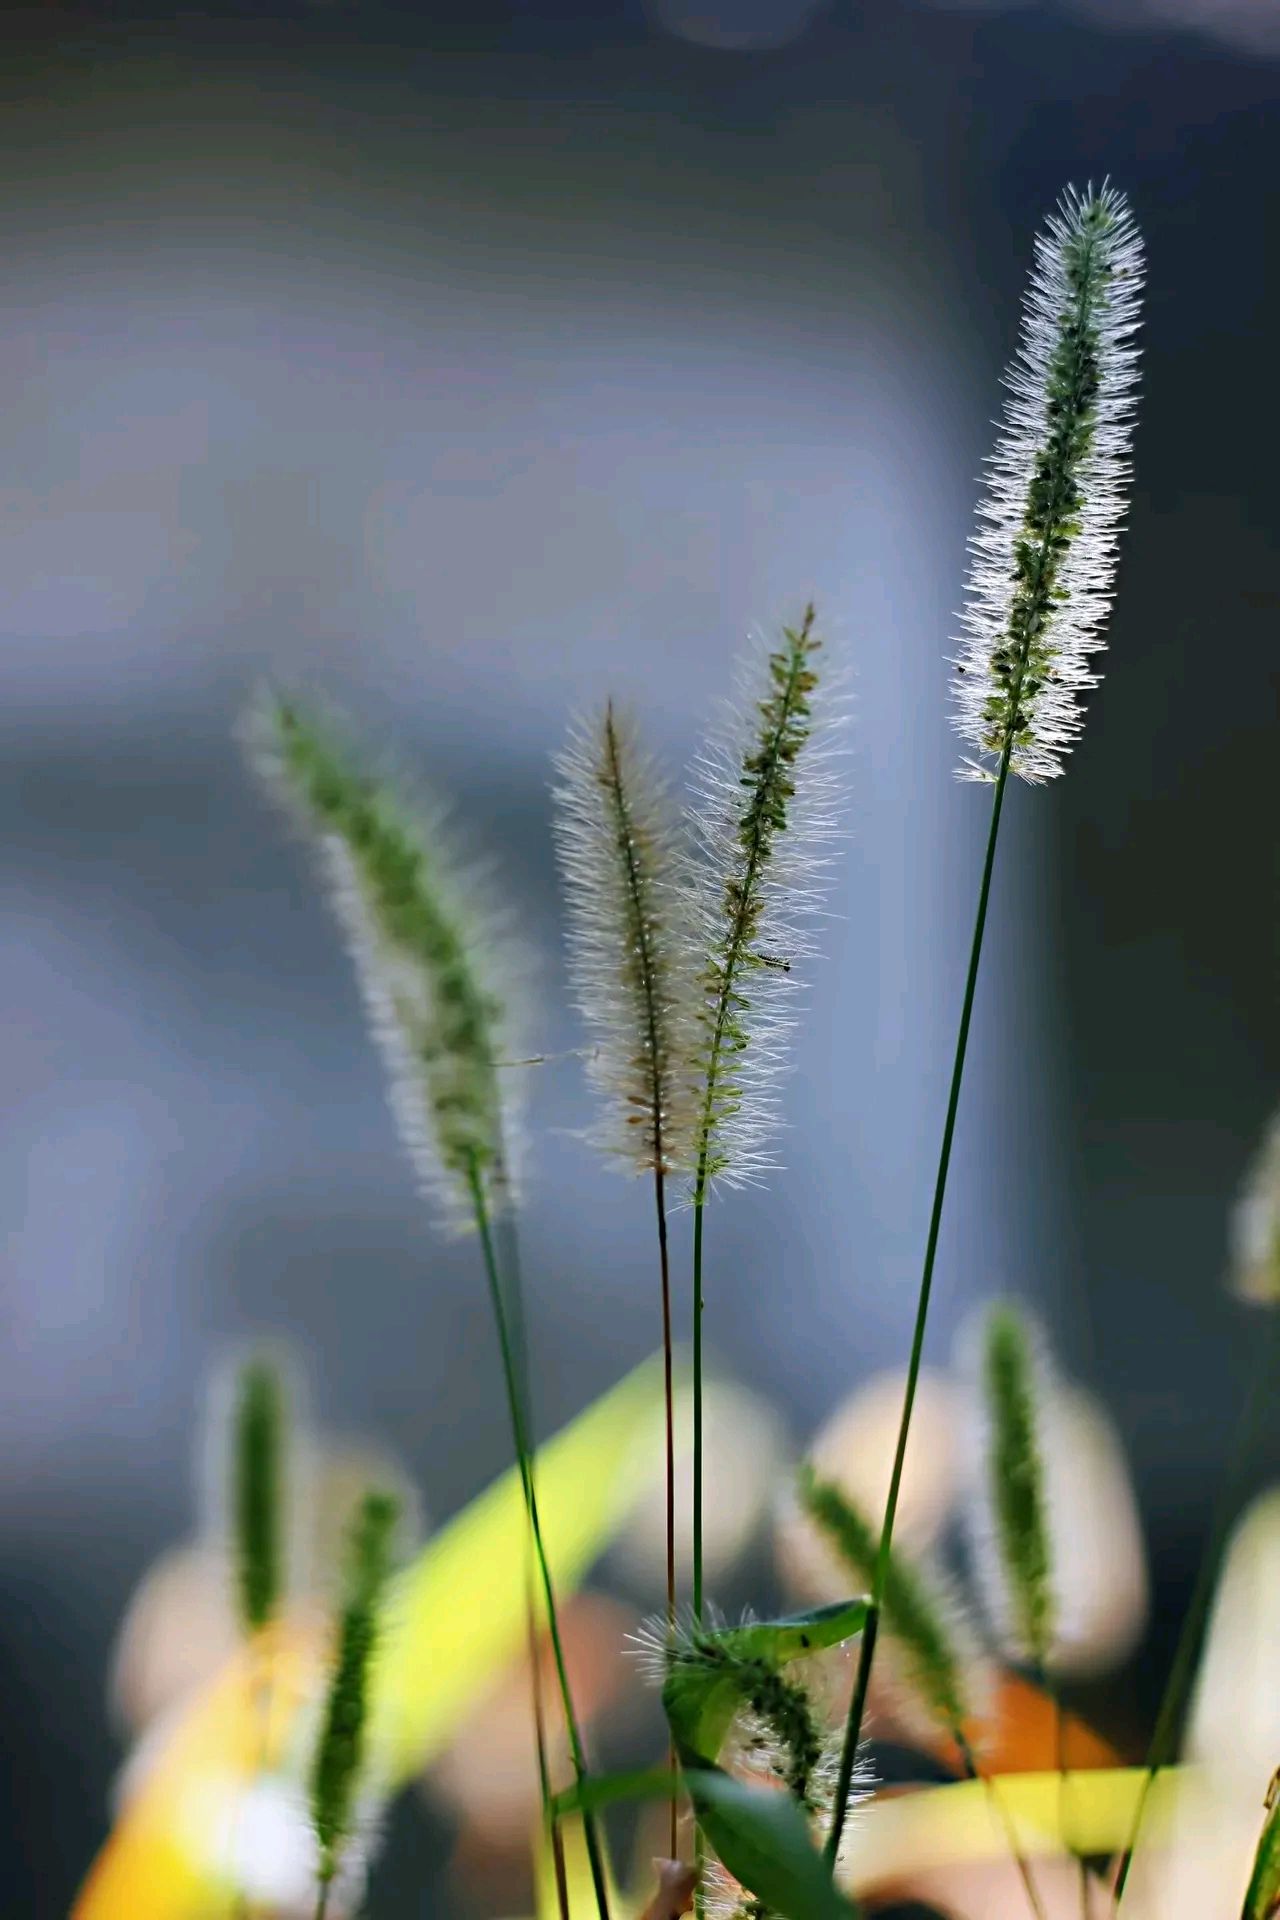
pixel 618 841
pixel 1044 554
pixel 766 805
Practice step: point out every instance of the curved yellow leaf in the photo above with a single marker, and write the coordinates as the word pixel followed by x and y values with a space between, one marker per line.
pixel 909 1833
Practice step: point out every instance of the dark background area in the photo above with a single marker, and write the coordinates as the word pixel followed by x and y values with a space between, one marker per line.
pixel 467 362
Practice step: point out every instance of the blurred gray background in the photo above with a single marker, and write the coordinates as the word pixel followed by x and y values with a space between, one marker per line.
pixel 465 363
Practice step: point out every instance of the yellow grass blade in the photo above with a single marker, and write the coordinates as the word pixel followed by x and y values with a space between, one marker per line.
pixel 904 1834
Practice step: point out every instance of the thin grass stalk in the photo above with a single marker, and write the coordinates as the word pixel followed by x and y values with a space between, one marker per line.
pixel 643 937
pixel 525 1467
pixel 1186 1653
pixel 1064 1789
pixel 1003 1815
pixel 551 1825
pixel 664 1259
pixel 510 1259
pixel 858 1702
pixel 550 1822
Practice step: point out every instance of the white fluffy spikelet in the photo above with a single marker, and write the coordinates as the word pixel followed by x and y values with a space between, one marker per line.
pixel 432 959
pixel 767 798
pixel 1255 1226
pixel 618 841
pixel 1044 553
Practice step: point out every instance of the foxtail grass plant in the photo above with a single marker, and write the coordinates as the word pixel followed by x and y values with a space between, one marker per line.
pixel 1039 587
pixel 766 804
pixel 336 1774
pixel 687 934
pixel 429 960
pixel 630 969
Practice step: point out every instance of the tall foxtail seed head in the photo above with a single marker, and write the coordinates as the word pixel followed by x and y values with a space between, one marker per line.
pixel 917 1616
pixel 766 804
pixel 1044 555
pixel 427 956
pixel 1255 1226
pixel 1013 1398
pixel 629 958
pixel 258 1492
pixel 335 1775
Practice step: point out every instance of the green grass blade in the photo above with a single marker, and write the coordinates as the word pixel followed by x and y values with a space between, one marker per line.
pixel 761 1837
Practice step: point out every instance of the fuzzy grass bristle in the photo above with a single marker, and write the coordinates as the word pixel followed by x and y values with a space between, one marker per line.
pixel 428 955
pixel 618 840
pixel 767 801
pixel 1044 555
pixel 339 1759
pixel 1013 1468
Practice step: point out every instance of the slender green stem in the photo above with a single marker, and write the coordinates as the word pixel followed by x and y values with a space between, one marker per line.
pixel 1186 1653
pixel 1004 1816
pixel 857 1705
pixel 699 1209
pixel 551 1824
pixel 509 1260
pixel 524 1463
pixel 664 1260
pixel 1054 1692
pixel 322 1898
pixel 637 893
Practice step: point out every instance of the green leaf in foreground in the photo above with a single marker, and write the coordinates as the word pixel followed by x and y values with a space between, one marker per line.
pixel 761 1837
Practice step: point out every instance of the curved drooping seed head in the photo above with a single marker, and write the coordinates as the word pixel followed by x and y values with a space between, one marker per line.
pixel 1044 554
pixel 430 956
pixel 1014 1533
pixel 766 806
pixel 630 966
